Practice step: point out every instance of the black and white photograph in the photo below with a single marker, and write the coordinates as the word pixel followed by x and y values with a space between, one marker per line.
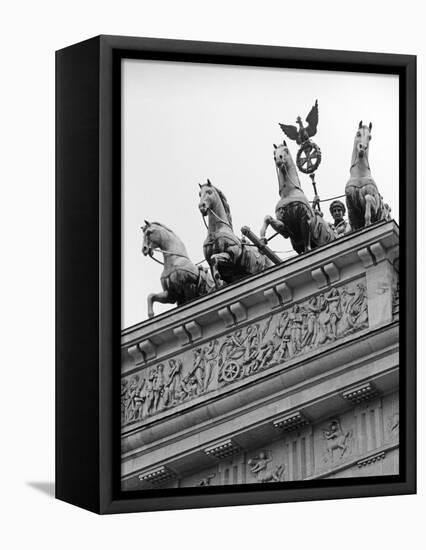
pixel 259 275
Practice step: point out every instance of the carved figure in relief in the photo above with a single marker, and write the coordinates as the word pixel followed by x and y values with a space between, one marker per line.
pixel 206 481
pixel 262 470
pixel 335 439
pixel 158 387
pixel 210 357
pixel 173 381
pixel 204 362
pixel 282 335
pixel 296 321
pixel 333 301
pixel 323 332
pixel 346 324
pixel 233 347
pixel 131 397
pixel 259 351
pixel 251 360
pixel 393 425
pixel 232 350
pixel 123 401
pixel 311 327
pixel 139 401
pixel 359 308
pixel 149 395
pixel 198 369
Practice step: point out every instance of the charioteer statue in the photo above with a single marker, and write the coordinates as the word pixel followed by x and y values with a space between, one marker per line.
pixel 340 226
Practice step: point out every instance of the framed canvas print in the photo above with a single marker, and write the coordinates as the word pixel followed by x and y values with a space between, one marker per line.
pixel 236 288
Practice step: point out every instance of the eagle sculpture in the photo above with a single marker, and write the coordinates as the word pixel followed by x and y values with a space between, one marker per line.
pixel 303 133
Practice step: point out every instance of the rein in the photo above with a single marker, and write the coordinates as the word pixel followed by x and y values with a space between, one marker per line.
pixel 164 252
pixel 287 173
pixel 217 217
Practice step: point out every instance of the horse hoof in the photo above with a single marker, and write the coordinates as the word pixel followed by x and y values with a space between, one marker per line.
pixel 219 283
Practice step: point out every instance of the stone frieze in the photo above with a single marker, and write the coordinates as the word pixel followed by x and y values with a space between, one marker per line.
pixel 293 331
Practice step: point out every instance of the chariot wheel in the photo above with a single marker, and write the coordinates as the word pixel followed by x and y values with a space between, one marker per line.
pixel 308 157
pixel 231 371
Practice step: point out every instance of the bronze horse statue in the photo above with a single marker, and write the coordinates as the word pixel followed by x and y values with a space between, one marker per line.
pixel 364 202
pixel 295 217
pixel 181 280
pixel 229 258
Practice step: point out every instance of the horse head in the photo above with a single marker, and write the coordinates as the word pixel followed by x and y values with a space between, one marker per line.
pixel 154 234
pixel 282 156
pixel 151 238
pixel 213 200
pixel 362 141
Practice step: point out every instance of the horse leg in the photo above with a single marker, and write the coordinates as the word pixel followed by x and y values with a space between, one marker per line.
pixel 276 225
pixel 307 232
pixel 378 207
pixel 162 297
pixel 304 238
pixel 279 227
pixel 266 222
pixel 215 261
pixel 369 207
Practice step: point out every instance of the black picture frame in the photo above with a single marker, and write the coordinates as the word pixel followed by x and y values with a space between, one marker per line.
pixel 88 298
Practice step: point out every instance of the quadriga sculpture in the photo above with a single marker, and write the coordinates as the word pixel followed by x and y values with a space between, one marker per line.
pixel 181 279
pixel 364 202
pixel 228 257
pixel 295 217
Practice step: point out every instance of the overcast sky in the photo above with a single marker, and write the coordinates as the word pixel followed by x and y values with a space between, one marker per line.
pixel 185 122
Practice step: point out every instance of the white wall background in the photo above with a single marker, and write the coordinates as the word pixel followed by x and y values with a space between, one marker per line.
pixel 30 32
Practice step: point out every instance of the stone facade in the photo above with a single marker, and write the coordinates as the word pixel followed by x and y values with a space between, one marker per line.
pixel 289 374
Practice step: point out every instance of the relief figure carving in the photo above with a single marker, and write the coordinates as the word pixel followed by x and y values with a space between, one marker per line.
pixel 393 426
pixel 335 440
pixel 206 481
pixel 262 469
pixel 305 326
